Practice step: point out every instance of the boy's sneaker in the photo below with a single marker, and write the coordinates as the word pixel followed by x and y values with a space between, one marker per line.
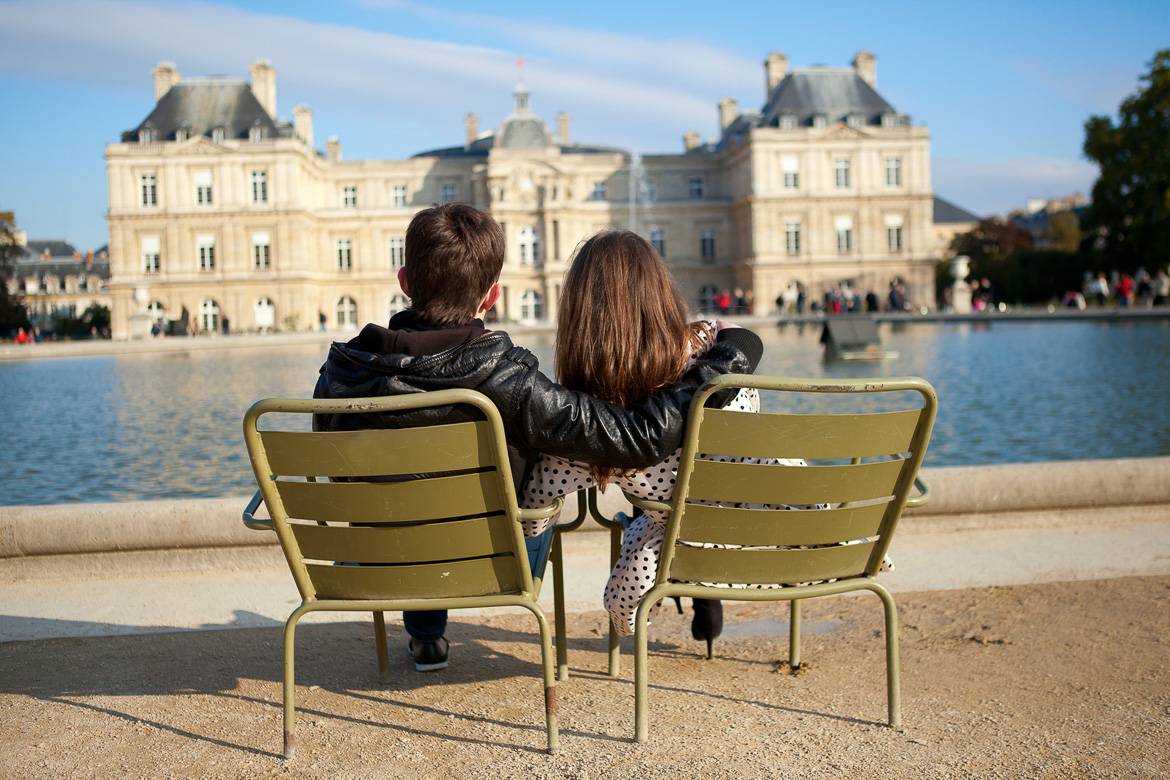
pixel 429 656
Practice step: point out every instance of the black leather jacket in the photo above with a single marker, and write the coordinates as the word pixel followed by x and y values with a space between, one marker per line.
pixel 539 416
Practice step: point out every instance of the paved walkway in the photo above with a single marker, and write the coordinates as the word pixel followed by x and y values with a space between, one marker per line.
pixel 251 587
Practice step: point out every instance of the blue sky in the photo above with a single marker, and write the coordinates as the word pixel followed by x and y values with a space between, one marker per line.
pixel 1004 87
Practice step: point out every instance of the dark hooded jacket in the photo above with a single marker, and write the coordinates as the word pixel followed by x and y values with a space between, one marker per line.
pixel 539 415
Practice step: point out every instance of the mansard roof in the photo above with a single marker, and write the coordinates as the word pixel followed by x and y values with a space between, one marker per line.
pixel 834 93
pixel 946 213
pixel 199 105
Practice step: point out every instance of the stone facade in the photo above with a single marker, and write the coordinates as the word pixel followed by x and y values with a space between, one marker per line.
pixel 220 209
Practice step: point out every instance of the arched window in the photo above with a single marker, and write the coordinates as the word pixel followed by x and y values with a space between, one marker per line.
pixel 346 312
pixel 156 311
pixel 531 306
pixel 209 316
pixel 529 241
pixel 396 304
pixel 265 311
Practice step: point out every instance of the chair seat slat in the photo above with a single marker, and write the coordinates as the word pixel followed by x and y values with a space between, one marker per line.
pixel 472 538
pixel 809 436
pixel 793 485
pixel 369 453
pixel 768 567
pixel 456 579
pixel 465 495
pixel 779 527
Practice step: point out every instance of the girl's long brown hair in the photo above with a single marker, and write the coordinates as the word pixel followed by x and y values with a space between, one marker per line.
pixel 622 330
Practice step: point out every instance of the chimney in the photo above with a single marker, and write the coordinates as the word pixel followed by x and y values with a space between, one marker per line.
pixel 775 69
pixel 690 140
pixel 333 149
pixel 866 66
pixel 303 124
pixel 471 125
pixel 166 75
pixel 728 109
pixel 563 127
pixel 264 85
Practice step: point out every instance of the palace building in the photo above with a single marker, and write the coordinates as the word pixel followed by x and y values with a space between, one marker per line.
pixel 220 210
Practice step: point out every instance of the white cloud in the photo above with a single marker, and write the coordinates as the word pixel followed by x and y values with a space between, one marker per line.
pixel 997 186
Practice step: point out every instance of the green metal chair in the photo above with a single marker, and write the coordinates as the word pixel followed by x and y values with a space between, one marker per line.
pixel 449 540
pixel 874 461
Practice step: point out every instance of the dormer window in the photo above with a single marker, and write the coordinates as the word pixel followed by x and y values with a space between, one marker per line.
pixel 820 120
pixel 787 122
pixel 218 134
pixel 855 120
pixel 256 133
pixel 147 135
pixel 182 134
pixel 889 120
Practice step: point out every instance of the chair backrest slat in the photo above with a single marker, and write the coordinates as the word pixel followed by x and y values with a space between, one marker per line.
pixel 792 485
pixel 367 453
pixel 779 528
pixel 463 495
pixel 475 577
pixel 768 567
pixel 809 436
pixel 407 544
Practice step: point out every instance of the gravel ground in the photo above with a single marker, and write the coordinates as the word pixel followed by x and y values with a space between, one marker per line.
pixel 1046 681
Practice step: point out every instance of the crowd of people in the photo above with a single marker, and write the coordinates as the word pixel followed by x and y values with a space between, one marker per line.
pixel 841 298
pixel 1121 288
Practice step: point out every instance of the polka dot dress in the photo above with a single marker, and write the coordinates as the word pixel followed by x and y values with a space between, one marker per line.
pixel 637 565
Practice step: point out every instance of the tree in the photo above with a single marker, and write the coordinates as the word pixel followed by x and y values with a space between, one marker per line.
pixel 1130 213
pixel 1064 231
pixel 992 240
pixel 12 312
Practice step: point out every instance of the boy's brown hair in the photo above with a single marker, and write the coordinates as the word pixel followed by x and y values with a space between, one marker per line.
pixel 454 254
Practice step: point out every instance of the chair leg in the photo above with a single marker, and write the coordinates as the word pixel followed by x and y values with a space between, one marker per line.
pixel 290 630
pixel 562 637
pixel 380 644
pixel 641 660
pixel 615 648
pixel 794 637
pixel 893 670
pixel 548 661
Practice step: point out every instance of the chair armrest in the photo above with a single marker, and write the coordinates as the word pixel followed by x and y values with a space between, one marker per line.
pixel 922 497
pixel 646 505
pixel 543 512
pixel 250 520
pixel 595 512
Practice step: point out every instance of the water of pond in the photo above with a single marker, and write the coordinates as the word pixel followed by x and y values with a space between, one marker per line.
pixel 157 426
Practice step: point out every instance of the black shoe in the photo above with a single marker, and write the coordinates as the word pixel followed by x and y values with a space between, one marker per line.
pixel 429 656
pixel 707 624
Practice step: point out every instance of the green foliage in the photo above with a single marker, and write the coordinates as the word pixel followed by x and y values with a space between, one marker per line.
pixel 1130 213
pixel 1034 276
pixel 12 312
pixel 992 239
pixel 1064 231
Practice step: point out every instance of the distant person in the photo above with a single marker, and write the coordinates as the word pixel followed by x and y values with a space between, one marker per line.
pixel 156 329
pixel 1125 291
pixel 1161 285
pixel 1102 291
pixel 36 334
pixel 1142 286
pixel 740 301
pixel 896 299
pixel 871 302
pixel 749 301
pixel 227 326
pixel 22 336
pixel 723 302
pixel 801 297
pixel 321 320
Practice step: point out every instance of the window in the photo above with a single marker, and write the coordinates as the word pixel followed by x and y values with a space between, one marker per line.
pixel 150 255
pixel 658 241
pixel 147 135
pixel 820 120
pixel 855 120
pixel 182 134
pixel 346 312
pixel 889 120
pixel 398 195
pixel 598 191
pixel 397 251
pixel 529 240
pixel 148 186
pixel 844 228
pixel 259 186
pixel 893 172
pixel 841 172
pixel 787 122
pixel 349 197
pixel 531 305
pixel 264 310
pixel 792 236
pixel 790 166
pixel 205 249
pixel 217 135
pixel 156 311
pixel 695 189
pixel 209 316
pixel 261 252
pixel 344 254
pixel 396 304
pixel 447 193
pixel 707 245
pixel 256 133
pixel 203 195
pixel 894 232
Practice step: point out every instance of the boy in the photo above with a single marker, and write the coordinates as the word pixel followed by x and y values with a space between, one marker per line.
pixel 454 255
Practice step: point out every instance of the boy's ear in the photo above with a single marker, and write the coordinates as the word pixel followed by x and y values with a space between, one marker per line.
pixel 402 282
pixel 489 300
